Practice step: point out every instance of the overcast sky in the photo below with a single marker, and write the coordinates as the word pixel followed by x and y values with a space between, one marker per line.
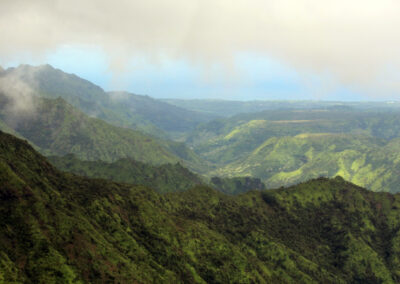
pixel 231 49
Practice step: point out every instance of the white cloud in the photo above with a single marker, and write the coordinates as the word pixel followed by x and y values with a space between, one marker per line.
pixel 355 41
pixel 16 99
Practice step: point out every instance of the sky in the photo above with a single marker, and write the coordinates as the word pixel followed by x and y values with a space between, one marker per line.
pixel 222 49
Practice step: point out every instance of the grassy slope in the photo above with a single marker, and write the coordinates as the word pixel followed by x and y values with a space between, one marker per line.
pixel 227 139
pixel 289 160
pixel 59 228
pixel 286 147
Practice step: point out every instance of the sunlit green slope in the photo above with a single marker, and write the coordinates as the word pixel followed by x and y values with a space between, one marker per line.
pixel 286 147
pixel 225 140
pixel 288 160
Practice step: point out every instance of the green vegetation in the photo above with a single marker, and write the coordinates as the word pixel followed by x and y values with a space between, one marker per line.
pixel 61 228
pixel 286 143
pixel 163 178
pixel 236 185
pixel 290 160
pixel 243 133
pixel 57 128
pixel 104 220
pixel 118 108
pixel 289 146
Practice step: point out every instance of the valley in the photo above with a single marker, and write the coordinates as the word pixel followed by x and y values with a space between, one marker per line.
pixel 280 143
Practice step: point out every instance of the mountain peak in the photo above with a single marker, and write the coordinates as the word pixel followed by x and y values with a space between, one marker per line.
pixel 47 66
pixel 42 66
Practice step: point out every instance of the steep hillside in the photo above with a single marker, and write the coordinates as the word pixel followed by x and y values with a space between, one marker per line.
pixel 119 108
pixel 164 178
pixel 60 228
pixel 58 128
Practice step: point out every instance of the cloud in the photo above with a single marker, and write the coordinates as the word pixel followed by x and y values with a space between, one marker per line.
pixel 356 42
pixel 16 99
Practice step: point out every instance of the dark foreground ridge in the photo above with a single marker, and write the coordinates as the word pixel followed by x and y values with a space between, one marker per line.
pixel 58 228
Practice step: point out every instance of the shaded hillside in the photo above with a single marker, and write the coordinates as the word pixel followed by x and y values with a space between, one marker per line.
pixel 58 128
pixel 164 178
pixel 57 228
pixel 119 108
pixel 167 117
pixel 236 185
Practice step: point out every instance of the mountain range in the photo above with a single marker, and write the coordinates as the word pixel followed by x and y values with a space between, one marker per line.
pixel 57 128
pixel 228 108
pixel 123 109
pixel 285 143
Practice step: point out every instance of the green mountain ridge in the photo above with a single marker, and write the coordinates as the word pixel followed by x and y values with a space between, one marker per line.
pixel 61 228
pixel 260 126
pixel 123 109
pixel 163 178
pixel 167 117
pixel 57 128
